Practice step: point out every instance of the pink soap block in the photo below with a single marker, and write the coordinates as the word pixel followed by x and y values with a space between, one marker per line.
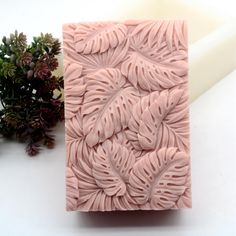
pixel 126 111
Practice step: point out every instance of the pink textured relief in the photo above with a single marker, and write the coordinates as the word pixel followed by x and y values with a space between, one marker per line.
pixel 126 110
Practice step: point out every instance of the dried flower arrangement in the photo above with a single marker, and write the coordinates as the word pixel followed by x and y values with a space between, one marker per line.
pixel 29 92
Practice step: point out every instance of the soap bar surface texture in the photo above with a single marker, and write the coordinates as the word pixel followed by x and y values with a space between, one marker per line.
pixel 126 115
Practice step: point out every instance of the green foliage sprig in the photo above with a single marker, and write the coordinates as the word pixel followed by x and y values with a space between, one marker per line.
pixel 29 92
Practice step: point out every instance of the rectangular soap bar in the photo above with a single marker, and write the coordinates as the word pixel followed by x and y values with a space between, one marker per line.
pixel 126 116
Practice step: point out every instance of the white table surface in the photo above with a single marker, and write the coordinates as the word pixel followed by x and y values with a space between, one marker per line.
pixel 32 190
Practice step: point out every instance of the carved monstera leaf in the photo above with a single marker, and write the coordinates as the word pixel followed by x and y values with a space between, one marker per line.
pixel 98 37
pixel 159 120
pixel 92 197
pixel 74 88
pixel 108 59
pixel 159 178
pixel 72 193
pixel 90 63
pixel 158 55
pixel 185 200
pixel 76 146
pixel 121 139
pixel 174 33
pixel 111 167
pixel 107 105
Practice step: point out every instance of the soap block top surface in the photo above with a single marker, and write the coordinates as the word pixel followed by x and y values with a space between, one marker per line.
pixel 126 115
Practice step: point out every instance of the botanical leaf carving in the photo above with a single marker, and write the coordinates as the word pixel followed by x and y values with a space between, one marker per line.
pixel 121 139
pixel 185 200
pixel 111 167
pixel 124 203
pixel 126 107
pixel 69 51
pixel 159 120
pixel 158 57
pixel 107 105
pixel 74 88
pixel 75 143
pixel 108 59
pixel 72 70
pixel 98 37
pixel 92 197
pixel 173 32
pixel 72 193
pixel 90 63
pixel 159 178
pixel 174 130
pixel 88 188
